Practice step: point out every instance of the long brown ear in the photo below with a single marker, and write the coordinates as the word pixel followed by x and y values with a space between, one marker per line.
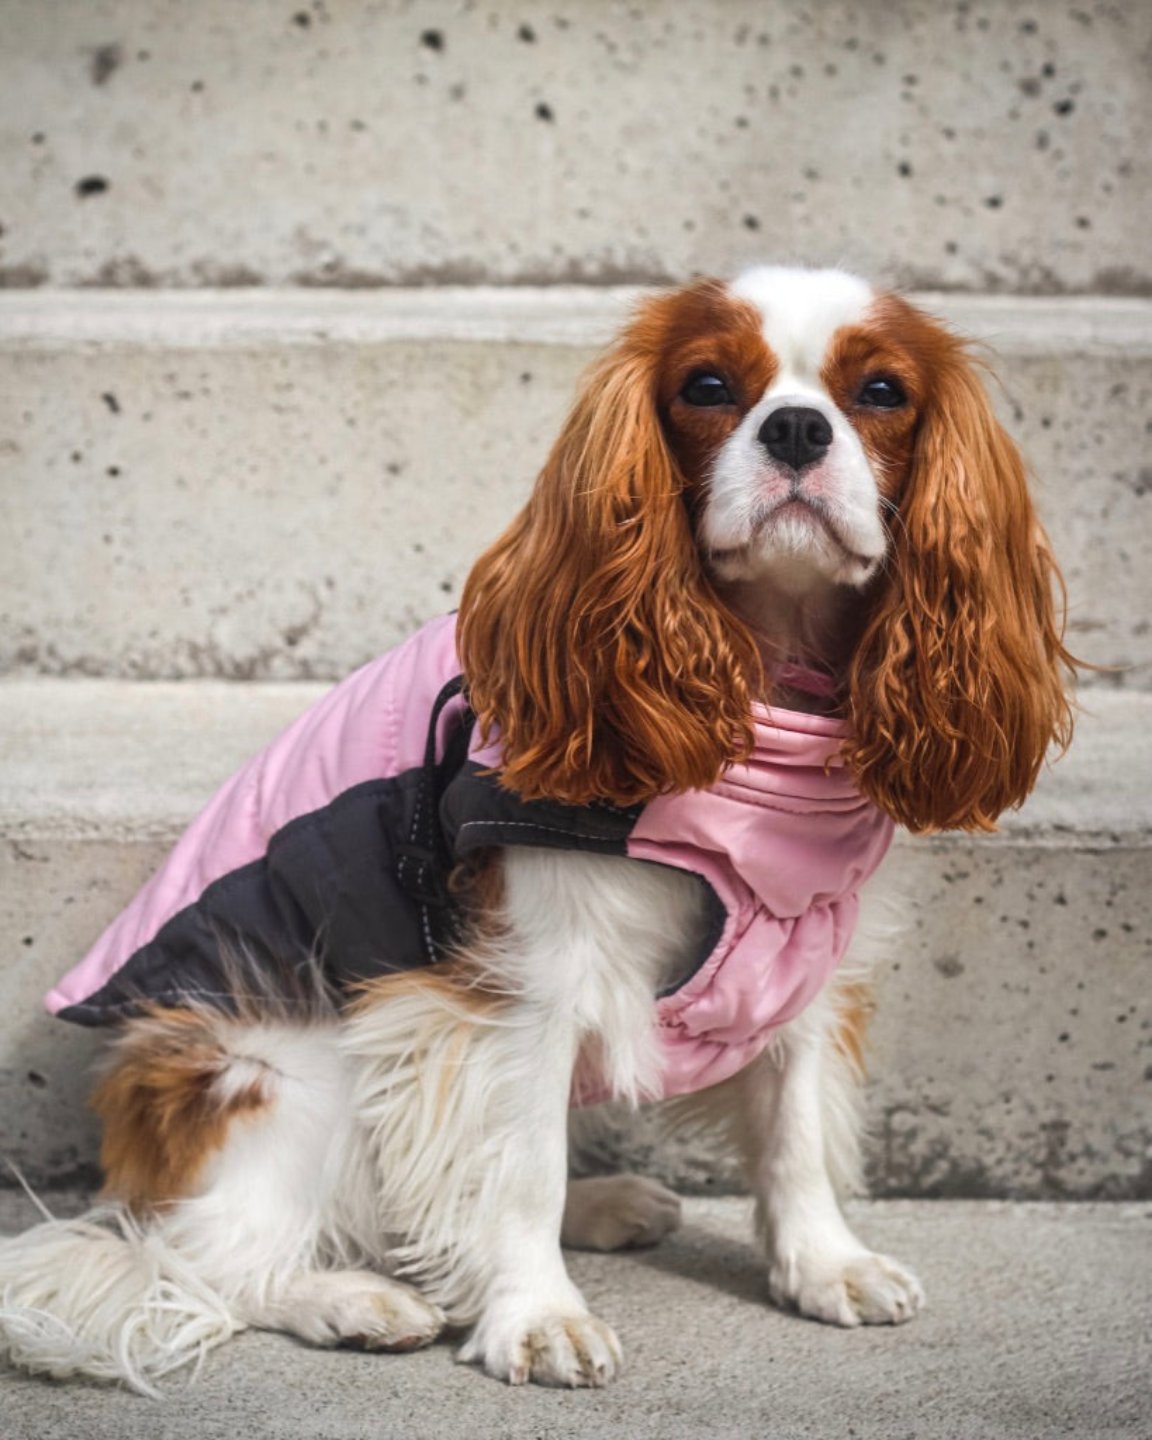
pixel 957 690
pixel 590 637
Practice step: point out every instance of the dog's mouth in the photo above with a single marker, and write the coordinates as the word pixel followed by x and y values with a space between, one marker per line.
pixel 795 508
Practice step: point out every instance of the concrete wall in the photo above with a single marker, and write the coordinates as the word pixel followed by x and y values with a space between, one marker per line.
pixel 211 472
pixel 980 144
pixel 296 483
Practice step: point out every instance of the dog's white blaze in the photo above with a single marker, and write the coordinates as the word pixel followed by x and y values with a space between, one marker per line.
pixel 802 310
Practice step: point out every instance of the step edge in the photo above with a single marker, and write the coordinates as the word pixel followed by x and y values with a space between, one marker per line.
pixel 554 315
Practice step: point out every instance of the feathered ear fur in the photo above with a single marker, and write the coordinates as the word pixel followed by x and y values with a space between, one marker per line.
pixel 590 637
pixel 957 689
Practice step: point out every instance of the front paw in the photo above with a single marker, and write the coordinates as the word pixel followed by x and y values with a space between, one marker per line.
pixel 572 1351
pixel 857 1288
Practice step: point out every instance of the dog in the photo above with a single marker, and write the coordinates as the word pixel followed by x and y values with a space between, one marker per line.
pixel 601 834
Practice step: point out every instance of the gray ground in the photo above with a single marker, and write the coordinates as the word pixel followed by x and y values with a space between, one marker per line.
pixel 1039 1324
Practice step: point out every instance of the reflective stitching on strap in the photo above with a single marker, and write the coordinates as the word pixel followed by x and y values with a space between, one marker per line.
pixel 534 825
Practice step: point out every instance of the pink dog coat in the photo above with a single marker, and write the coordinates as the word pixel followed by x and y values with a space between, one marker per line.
pixel 337 839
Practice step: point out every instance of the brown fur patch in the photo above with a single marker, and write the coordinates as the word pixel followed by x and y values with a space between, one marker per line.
pixel 163 1108
pixel 709 330
pixel 957 686
pixel 855 1008
pixel 459 983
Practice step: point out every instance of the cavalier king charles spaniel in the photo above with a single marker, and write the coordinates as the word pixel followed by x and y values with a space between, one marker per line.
pixel 602 834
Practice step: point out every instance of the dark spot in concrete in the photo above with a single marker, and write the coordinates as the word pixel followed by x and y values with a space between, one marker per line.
pixel 1099 934
pixel 196 87
pixel 1029 85
pixel 1083 222
pixel 1064 107
pixel 527 34
pixel 1048 69
pixel 949 966
pixel 544 112
pixel 993 202
pixel 432 40
pixel 1028 27
pixel 1063 1037
pixel 525 377
pixel 92 185
pixel 302 18
pixel 76 456
pixel 904 169
pixel 111 401
pixel 27 940
pixel 106 60
pixel 113 471
pixel 38 138
pixel 750 222
pixel 446 586
pixel 35 1078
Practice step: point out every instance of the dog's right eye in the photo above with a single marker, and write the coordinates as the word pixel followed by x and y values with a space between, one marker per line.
pixel 706 389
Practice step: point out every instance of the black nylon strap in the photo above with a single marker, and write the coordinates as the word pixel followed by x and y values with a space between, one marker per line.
pixel 424 860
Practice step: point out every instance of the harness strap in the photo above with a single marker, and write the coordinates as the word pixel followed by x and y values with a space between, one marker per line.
pixel 424 860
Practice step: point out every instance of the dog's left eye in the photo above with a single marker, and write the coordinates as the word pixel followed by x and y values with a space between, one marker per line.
pixel 706 389
pixel 882 393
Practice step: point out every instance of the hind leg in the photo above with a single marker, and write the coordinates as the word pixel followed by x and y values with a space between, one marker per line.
pixel 252 1159
pixel 617 1212
pixel 356 1308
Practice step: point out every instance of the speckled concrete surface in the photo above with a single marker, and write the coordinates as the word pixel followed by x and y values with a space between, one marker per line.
pixel 1011 1049
pixel 1039 1325
pixel 984 144
pixel 294 484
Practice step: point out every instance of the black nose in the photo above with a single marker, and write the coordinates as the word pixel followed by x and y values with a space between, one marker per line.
pixel 796 435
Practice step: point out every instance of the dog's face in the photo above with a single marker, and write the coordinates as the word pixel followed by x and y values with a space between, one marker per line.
pixel 782 425
pixel 791 400
pixel 790 436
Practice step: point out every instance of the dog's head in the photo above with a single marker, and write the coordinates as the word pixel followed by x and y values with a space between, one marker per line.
pixel 791 436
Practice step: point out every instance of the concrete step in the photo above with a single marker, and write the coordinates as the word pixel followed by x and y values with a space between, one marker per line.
pixel 279 484
pixel 326 144
pixel 1013 1044
pixel 1037 1325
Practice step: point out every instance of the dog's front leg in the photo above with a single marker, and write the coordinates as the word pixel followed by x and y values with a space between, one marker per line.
pixel 794 1115
pixel 533 1323
pixel 464 1075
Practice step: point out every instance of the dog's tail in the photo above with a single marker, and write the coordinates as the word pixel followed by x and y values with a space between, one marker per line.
pixel 115 1297
pixel 106 1297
